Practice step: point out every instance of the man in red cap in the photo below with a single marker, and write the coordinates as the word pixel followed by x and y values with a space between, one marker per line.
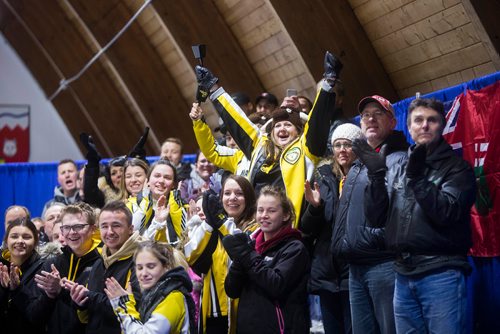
pixel 371 275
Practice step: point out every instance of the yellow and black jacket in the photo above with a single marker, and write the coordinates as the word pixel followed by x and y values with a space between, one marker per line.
pixel 230 159
pixel 206 255
pixel 167 307
pixel 98 312
pixel 142 209
pixel 298 160
pixel 58 314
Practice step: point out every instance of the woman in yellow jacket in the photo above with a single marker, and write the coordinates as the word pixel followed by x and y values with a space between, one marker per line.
pixel 232 211
pixel 287 155
pixel 158 211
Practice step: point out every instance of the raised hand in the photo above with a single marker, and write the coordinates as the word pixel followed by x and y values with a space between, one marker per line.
pixel 206 82
pixel 88 142
pixel 312 196
pixel 4 276
pixel 138 151
pixel 332 66
pixel 416 162
pixel 114 289
pixel 213 209
pixel 374 162
pixel 49 282
pixel 79 294
pixel 162 209
pixel 237 246
pixel 15 279
pixel 196 112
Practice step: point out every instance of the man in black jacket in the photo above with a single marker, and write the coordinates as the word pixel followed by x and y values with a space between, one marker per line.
pixel 371 276
pixel 120 243
pixel 426 210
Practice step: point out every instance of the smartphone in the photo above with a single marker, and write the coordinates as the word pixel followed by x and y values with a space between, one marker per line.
pixel 291 92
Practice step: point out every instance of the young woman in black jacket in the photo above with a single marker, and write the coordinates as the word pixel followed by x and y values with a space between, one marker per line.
pixel 269 273
pixel 20 263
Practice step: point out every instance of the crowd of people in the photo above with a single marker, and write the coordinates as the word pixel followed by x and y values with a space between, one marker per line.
pixel 291 201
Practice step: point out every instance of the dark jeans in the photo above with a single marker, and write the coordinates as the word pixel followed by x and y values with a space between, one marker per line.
pixel 371 289
pixel 336 312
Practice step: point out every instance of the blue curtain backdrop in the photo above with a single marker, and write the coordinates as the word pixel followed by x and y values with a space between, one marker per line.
pixel 32 184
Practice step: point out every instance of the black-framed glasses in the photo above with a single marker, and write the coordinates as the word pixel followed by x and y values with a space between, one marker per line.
pixel 65 229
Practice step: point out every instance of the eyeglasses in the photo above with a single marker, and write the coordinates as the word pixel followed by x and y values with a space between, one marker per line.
pixel 377 115
pixel 339 146
pixel 77 228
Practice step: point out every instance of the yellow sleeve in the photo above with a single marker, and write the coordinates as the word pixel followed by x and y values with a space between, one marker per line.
pixel 222 156
pixel 245 133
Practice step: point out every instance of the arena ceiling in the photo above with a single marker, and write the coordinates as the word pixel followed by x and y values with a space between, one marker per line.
pixel 389 47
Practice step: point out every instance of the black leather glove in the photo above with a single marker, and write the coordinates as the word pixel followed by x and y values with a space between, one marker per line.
pixel 333 66
pixel 374 162
pixel 416 162
pixel 213 209
pixel 92 154
pixel 138 150
pixel 206 80
pixel 238 247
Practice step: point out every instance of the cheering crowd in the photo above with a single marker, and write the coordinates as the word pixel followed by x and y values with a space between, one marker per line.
pixel 293 201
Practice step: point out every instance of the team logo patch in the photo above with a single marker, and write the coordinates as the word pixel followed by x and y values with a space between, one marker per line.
pixel 292 155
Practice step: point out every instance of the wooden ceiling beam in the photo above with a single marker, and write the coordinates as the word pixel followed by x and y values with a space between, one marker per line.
pixel 331 25
pixel 140 68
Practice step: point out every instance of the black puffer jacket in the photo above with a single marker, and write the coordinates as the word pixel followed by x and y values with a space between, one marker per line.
pixel 274 282
pixel 428 221
pixel 328 273
pixel 352 239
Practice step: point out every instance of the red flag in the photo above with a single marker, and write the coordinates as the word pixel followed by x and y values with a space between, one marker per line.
pixel 14 133
pixel 473 125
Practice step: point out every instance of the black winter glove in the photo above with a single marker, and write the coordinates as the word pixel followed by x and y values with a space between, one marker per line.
pixel 374 162
pixel 238 247
pixel 138 150
pixel 206 80
pixel 333 66
pixel 92 154
pixel 416 162
pixel 213 209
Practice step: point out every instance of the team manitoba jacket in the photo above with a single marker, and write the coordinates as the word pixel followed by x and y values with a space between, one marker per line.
pixel 230 159
pixel 298 160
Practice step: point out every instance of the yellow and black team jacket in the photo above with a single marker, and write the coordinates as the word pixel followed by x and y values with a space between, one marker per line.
pixel 142 209
pixel 98 312
pixel 59 314
pixel 298 160
pixel 206 255
pixel 230 159
pixel 166 308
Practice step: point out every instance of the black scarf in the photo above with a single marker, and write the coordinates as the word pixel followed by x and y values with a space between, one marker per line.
pixel 175 279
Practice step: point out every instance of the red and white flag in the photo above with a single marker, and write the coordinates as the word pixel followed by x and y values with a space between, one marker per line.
pixel 473 127
pixel 14 133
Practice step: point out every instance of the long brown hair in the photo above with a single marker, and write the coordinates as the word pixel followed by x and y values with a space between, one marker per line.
pixel 249 194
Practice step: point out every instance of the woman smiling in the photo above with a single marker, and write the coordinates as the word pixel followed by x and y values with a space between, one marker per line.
pixel 20 263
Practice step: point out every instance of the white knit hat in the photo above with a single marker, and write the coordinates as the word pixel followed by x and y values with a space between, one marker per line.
pixel 346 131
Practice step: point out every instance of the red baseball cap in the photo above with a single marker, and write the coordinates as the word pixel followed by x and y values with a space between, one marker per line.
pixel 382 101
